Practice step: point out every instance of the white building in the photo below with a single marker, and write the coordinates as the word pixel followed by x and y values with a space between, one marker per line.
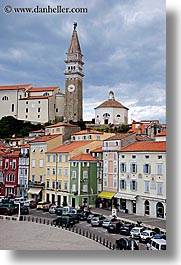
pixel 142 179
pixel 28 103
pixel 111 112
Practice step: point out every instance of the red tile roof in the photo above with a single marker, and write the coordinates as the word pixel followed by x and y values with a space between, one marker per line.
pixel 61 124
pixel 35 97
pixel 163 133
pixel 42 89
pixel 66 148
pixel 14 154
pixel 145 146
pixel 87 132
pixel 45 138
pixel 38 131
pixel 118 136
pixel 97 150
pixel 84 157
pixel 15 87
pixel 112 104
pixel 143 138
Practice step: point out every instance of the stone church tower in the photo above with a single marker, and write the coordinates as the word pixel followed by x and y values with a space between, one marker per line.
pixel 73 80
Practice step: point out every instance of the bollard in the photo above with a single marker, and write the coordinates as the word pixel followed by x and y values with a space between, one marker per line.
pixel 47 222
pixel 86 233
pixel 29 219
pixel 90 235
pixel 104 241
pixel 93 237
pixel 110 245
pixel 44 221
pixel 97 239
pixel 40 220
pixel 36 220
pixel 83 233
pixel 51 223
pixel 107 244
pixel 80 231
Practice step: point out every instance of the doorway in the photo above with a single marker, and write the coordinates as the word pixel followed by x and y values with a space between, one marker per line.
pixel 73 202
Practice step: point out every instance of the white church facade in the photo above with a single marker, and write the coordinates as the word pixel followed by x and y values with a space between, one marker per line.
pixel 111 112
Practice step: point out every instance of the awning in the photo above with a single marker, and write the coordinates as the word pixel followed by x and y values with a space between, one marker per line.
pixel 125 196
pixel 34 191
pixel 106 195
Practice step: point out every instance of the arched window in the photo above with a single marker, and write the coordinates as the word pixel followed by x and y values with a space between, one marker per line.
pixel 5 98
pixel 46 94
pixel 106 115
pixel 160 210
pixel 118 116
pixel 147 207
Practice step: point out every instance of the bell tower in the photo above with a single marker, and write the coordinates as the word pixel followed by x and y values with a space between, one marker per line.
pixel 73 80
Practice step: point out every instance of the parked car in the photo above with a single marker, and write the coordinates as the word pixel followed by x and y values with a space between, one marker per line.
pixel 159 236
pixel 83 215
pixel 24 210
pixel 46 207
pixel 125 229
pixel 64 220
pixel 107 221
pixel 126 244
pixel 27 202
pixel 156 244
pixel 53 209
pixel 74 216
pixel 40 205
pixel 12 206
pixel 5 210
pixel 69 210
pixel 1 199
pixel 146 235
pixel 59 211
pixel 114 227
pixel 136 231
pixel 89 217
pixel 33 205
pixel 97 220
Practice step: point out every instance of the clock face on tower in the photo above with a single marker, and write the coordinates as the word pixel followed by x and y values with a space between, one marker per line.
pixel 71 88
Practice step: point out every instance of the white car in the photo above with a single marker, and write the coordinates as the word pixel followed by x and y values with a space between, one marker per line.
pixel 136 231
pixel 156 244
pixel 145 235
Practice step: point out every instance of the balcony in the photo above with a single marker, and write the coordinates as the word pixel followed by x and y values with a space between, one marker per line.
pixel 36 184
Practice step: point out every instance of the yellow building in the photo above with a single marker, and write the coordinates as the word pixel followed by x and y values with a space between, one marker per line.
pixel 38 149
pixel 58 169
pixel 90 135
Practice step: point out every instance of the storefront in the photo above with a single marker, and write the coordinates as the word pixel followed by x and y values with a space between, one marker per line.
pixel 105 200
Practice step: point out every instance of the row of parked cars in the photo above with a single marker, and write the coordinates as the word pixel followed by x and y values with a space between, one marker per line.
pixel 10 206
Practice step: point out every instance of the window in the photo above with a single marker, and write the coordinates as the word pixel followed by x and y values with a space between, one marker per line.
pixel 41 149
pixel 66 158
pixel 60 171
pixel 122 167
pixel 12 107
pixel 38 116
pixel 87 151
pixel 146 156
pixel 147 186
pixel 85 174
pixel 159 157
pixel 41 178
pixel 60 158
pixel 56 110
pixel 74 164
pixel 54 158
pixel 65 185
pixel 73 187
pixel 54 171
pixel 66 170
pixel 46 94
pixel 5 98
pixel 41 163
pixel 122 184
pixel 133 185
pixel 159 188
pixel 38 109
pixel 146 168
pixel 73 174
pixel 98 137
pixel 99 187
pixel 48 183
pixel 84 137
pixel 133 156
pixel 85 164
pixel 115 167
pixel 14 165
pixel 105 167
pixel 105 180
pixel 59 184
pixel 53 184
pixel 34 150
pixel 123 156
pixel 90 137
pixel 48 158
pixel 159 169
pixel 26 110
pixel 33 178
pixel 133 168
pixel 85 188
pixel 48 171
pixel 115 182
pixel 39 102
pixel 33 163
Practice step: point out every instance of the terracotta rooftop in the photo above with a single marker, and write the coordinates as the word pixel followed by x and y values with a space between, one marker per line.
pixel 14 154
pixel 145 146
pixel 112 104
pixel 42 89
pixel 35 97
pixel 66 148
pixel 84 157
pixel 15 87
pixel 38 131
pixel 118 136
pixel 97 150
pixel 61 124
pixel 143 138
pixel 87 132
pixel 163 133
pixel 25 145
pixel 45 138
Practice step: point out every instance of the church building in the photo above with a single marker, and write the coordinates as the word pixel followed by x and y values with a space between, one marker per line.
pixel 111 112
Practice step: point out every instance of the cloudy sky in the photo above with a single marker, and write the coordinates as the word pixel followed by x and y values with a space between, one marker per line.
pixel 123 43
